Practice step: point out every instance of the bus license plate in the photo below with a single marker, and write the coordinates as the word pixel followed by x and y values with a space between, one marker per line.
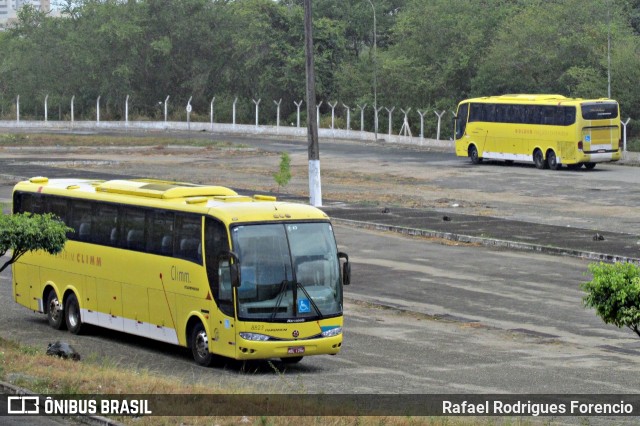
pixel 296 350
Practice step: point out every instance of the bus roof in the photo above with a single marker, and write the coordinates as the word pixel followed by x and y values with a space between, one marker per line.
pixel 221 202
pixel 534 98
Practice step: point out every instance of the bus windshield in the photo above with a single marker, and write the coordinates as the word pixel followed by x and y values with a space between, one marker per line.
pixel 288 271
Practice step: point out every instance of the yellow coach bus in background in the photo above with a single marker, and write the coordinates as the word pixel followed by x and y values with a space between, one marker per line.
pixel 193 265
pixel 547 130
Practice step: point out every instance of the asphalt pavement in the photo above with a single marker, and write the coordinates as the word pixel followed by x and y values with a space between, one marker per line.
pixel 491 231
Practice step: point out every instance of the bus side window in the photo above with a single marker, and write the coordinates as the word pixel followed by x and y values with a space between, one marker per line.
pixel 81 220
pixel 160 233
pixel 188 237
pixel 105 225
pixel 133 226
pixel 215 242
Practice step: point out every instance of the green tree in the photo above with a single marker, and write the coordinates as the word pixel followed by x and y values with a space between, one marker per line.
pixel 283 176
pixel 25 232
pixel 614 292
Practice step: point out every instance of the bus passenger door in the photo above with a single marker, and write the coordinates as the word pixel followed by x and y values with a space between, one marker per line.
pixel 460 130
pixel 222 324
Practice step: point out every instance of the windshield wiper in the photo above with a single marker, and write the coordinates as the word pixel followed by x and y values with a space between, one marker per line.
pixel 281 291
pixel 304 290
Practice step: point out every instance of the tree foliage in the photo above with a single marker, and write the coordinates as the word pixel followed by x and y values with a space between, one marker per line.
pixel 25 232
pixel 428 54
pixel 614 292
pixel 283 175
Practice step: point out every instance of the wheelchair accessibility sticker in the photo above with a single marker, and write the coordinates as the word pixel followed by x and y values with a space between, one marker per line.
pixel 304 306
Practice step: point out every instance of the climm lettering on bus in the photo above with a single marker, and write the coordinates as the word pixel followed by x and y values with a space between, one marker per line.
pixel 86 259
pixel 178 275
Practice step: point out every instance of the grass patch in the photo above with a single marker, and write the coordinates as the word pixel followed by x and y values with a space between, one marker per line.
pixel 31 368
pixel 69 140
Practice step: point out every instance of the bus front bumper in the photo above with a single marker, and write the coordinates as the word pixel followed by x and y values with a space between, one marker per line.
pixel 249 349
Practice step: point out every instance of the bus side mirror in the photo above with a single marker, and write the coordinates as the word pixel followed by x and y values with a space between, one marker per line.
pixel 229 267
pixel 346 268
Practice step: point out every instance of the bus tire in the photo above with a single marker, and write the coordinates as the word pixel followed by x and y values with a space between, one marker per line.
pixel 55 311
pixel 589 166
pixel 552 160
pixel 538 160
pixel 291 360
pixel 576 166
pixel 473 155
pixel 72 314
pixel 200 345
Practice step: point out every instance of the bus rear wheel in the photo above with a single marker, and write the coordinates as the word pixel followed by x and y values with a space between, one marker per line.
pixel 200 346
pixel 538 159
pixel 590 166
pixel 474 156
pixel 552 160
pixel 54 311
pixel 72 314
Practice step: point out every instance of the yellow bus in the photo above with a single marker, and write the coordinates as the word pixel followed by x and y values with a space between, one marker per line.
pixel 546 130
pixel 192 265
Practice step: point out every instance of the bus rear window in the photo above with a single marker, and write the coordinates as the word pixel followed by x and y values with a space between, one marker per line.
pixel 599 111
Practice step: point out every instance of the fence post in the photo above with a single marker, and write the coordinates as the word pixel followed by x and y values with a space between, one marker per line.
pixel 98 110
pixel 421 124
pixel 318 114
pixel 278 114
pixel 362 116
pixel 166 102
pixel 189 108
pixel 348 116
pixel 18 109
pixel 46 98
pixel 624 134
pixel 390 111
pixel 439 120
pixel 405 124
pixel 333 108
pixel 298 116
pixel 126 111
pixel 257 103
pixel 211 109
pixel 72 99
pixel 234 112
pixel 376 121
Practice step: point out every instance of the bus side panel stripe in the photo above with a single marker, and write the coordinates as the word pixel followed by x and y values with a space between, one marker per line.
pixel 143 329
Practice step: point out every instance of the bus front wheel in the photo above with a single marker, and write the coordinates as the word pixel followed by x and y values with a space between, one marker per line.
pixel 538 159
pixel 552 160
pixel 200 346
pixel 54 311
pixel 473 155
pixel 72 314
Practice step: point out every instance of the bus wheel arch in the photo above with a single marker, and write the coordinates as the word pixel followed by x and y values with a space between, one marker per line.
pixel 72 316
pixel 53 308
pixel 539 160
pixel 552 160
pixel 198 342
pixel 474 155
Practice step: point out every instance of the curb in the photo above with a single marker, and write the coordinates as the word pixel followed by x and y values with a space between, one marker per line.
pixel 8 388
pixel 490 242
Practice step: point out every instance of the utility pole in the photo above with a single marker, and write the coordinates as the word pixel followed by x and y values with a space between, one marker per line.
pixel 315 188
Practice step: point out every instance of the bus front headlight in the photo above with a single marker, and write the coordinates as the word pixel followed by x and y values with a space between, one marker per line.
pixel 332 332
pixel 255 337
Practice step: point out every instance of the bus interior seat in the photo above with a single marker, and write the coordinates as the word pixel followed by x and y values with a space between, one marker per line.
pixel 313 272
pixel 113 238
pixel 166 246
pixel 84 231
pixel 135 239
pixel 189 248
